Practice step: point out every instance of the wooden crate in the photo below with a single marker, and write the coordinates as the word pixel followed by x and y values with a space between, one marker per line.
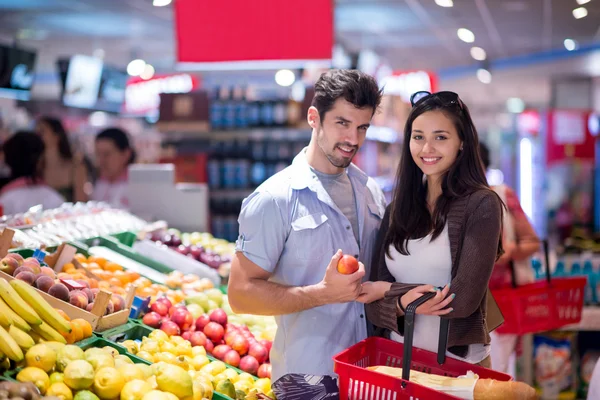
pixel 96 316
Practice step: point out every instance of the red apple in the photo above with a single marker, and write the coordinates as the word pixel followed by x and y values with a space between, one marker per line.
pixel 249 364
pixel 264 371
pixel 220 351
pixel 198 339
pixel 152 319
pixel 183 318
pixel 259 352
pixel 347 265
pixel 209 347
pixel 165 300
pixel 175 308
pixel 187 336
pixel 219 316
pixel 229 336
pixel 232 358
pixel 160 307
pixel 214 331
pixel 201 322
pixel 240 344
pixel 267 343
pixel 170 328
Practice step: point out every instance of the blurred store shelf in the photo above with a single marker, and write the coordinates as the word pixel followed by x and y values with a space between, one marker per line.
pixel 590 320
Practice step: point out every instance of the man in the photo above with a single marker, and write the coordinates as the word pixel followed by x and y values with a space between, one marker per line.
pixel 292 224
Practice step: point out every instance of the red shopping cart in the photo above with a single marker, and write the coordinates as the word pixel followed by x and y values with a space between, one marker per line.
pixel 540 306
pixel 358 383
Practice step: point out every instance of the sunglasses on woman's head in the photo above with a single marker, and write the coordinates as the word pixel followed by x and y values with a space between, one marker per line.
pixel 449 98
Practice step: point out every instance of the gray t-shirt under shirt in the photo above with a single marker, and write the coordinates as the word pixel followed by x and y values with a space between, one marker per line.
pixel 339 188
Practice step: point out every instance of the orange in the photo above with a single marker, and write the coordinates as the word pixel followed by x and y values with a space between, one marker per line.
pixel 93 265
pixel 68 267
pixel 93 283
pixel 80 257
pixel 122 276
pixel 111 266
pixel 75 335
pixel 85 326
pixel 103 285
pixel 114 282
pixel 132 275
pixel 63 314
pixel 98 260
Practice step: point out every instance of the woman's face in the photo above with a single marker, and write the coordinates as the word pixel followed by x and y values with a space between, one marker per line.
pixel 110 160
pixel 47 134
pixel 434 143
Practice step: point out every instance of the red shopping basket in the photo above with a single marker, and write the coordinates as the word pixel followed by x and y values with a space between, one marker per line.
pixel 541 306
pixel 358 383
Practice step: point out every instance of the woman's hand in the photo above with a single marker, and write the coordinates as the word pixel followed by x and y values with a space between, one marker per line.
pixel 434 306
pixel 509 249
pixel 373 291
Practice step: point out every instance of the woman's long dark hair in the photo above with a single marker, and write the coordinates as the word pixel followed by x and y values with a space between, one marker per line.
pixel 64 146
pixel 23 153
pixel 410 217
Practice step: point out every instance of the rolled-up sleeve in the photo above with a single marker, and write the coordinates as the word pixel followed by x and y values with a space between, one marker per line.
pixel 263 230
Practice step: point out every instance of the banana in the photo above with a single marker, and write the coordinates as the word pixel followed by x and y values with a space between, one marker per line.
pixel 18 304
pixel 36 338
pixel 5 319
pixel 45 310
pixel 23 340
pixel 16 318
pixel 9 347
pixel 48 333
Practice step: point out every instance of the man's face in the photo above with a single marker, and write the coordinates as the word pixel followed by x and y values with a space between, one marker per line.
pixel 342 132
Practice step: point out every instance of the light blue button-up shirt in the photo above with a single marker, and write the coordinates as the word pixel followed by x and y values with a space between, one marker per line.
pixel 291 227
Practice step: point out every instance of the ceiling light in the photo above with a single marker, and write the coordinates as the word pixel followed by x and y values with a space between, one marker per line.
pixel 484 75
pixel 285 77
pixel 570 44
pixel 515 105
pixel 466 35
pixel 444 3
pixel 136 67
pixel 161 3
pixel 580 12
pixel 478 53
pixel 582 2
pixel 148 72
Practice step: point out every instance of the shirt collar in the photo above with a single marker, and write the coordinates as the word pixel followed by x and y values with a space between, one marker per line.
pixel 303 176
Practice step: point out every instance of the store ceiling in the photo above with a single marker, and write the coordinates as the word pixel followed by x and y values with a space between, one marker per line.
pixel 408 33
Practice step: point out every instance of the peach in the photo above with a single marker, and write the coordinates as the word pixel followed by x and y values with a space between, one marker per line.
pixel 59 291
pixel 89 294
pixel 78 299
pixel 22 269
pixel 44 283
pixel 17 257
pixel 26 277
pixel 118 302
pixel 48 271
pixel 9 265
pixel 35 266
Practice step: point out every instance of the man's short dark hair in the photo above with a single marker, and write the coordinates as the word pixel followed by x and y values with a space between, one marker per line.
pixel 354 86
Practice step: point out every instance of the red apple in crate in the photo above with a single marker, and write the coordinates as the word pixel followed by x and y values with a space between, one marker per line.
pixel 264 371
pixel 240 344
pixel 160 307
pixel 214 332
pixel 165 300
pixel 183 318
pixel 219 316
pixel 267 343
pixel 198 339
pixel 170 328
pixel 232 358
pixel 220 351
pixel 259 352
pixel 201 322
pixel 249 364
pixel 209 347
pixel 187 336
pixel 152 319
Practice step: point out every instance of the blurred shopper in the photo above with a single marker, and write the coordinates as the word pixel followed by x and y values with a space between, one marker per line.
pixel 64 171
pixel 520 243
pixel 113 156
pixel 594 388
pixel 23 154
pixel 294 222
pixel 441 233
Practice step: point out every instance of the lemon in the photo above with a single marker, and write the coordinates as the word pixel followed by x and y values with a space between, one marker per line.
pixel 131 372
pixel 67 355
pixel 263 385
pixel 85 395
pixel 99 361
pixel 168 347
pixel 56 346
pixel 169 358
pixel 157 334
pixel 219 367
pixel 150 346
pixel 146 356
pixel 155 395
pixel 93 350
pixel 184 349
pixel 183 362
pixel 244 386
pixel 110 350
pixel 198 351
pixel 60 390
pixel 35 375
pixel 202 390
pixel 135 390
pixel 174 379
pixel 177 340
pixel 121 361
pixel 57 377
pixel 146 370
pixel 226 387
pixel 244 376
pixel 108 383
pixel 152 382
pixel 79 375
pixel 199 361
pixel 41 356
pixel 131 346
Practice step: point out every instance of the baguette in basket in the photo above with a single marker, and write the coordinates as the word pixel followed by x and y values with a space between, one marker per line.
pixel 469 387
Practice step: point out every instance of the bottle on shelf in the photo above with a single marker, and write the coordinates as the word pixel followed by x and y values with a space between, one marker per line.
pixel 216 110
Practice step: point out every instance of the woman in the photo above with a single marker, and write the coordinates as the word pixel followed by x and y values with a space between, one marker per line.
pixel 113 156
pixel 23 154
pixel 64 171
pixel 441 231
pixel 520 242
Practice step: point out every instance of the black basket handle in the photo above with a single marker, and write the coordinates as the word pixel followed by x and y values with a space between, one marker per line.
pixel 513 277
pixel 409 329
